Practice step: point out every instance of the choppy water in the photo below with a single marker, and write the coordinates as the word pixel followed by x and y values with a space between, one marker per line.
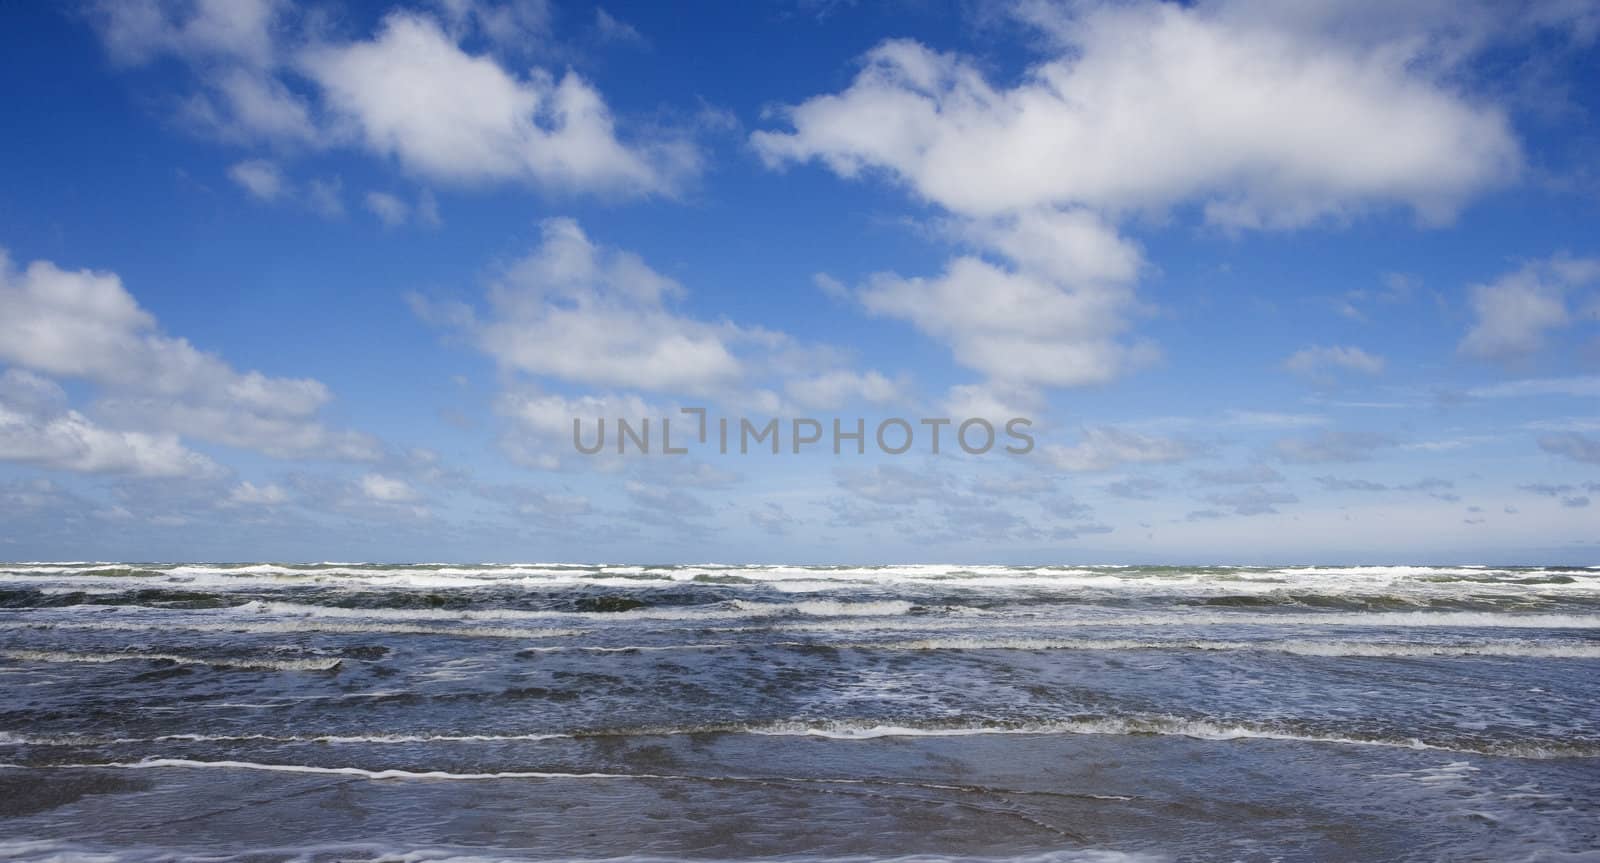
pixel 443 712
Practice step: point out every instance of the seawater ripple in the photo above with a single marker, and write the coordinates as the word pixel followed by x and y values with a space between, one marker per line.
pixel 918 696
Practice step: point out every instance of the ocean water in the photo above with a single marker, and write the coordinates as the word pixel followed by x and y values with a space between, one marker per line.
pixel 552 712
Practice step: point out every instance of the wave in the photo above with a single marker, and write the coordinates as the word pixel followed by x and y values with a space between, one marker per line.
pixel 1303 648
pixel 1158 725
pixel 248 663
pixel 1299 647
pixel 736 609
pixel 10 739
pixel 826 608
pixel 363 772
pixel 1364 619
pixel 1174 726
pixel 293 626
pixel 1333 581
pixel 56 851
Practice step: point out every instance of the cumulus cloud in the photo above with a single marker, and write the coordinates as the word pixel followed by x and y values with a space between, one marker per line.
pixel 1250 474
pixel 1253 500
pixel 990 400
pixel 1315 361
pixel 1571 496
pixel 1050 315
pixel 1135 488
pixel 412 93
pixel 1152 104
pixel 136 31
pixel 266 181
pixel 1578 447
pixel 840 387
pixel 1263 121
pixel 581 312
pixel 772 518
pixel 247 493
pixel 1331 446
pixel 387 489
pixel 259 177
pixel 1434 486
pixel 1578 386
pixel 389 209
pixel 1273 419
pixel 234 49
pixel 84 324
pixel 892 485
pixel 1514 313
pixel 576 311
pixel 264 72
pixel 37 428
pixel 1105 447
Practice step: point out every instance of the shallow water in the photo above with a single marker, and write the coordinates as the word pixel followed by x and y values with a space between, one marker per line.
pixel 355 712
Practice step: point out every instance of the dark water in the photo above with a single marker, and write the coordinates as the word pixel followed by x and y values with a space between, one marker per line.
pixel 538 712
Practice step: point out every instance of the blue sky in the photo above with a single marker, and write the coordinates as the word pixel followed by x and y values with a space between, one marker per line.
pixel 330 282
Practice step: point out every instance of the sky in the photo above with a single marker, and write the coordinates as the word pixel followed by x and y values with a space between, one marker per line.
pixel 1268 283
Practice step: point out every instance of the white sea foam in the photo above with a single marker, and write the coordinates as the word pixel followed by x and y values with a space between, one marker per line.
pixel 243 662
pixel 826 608
pixel 293 626
pixel 1159 725
pixel 1306 648
pixel 1093 618
pixel 158 763
pixel 55 851
pixel 1399 581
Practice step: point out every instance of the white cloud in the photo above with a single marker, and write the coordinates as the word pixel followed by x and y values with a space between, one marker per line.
pixel 1051 318
pixel 1331 446
pixel 387 489
pixel 837 388
pixel 325 196
pixel 893 485
pixel 233 48
pixel 515 26
pixel 36 428
pixel 995 402
pixel 84 324
pixel 428 210
pixel 1273 419
pixel 1572 445
pixel 1145 106
pixel 612 29
pixel 580 312
pixel 1152 104
pixel 247 493
pixel 393 211
pixel 1252 500
pixel 389 209
pixel 265 180
pixel 414 94
pixel 1316 360
pixel 1251 474
pixel 543 430
pixel 136 31
pixel 772 518
pixel 1578 386
pixel 247 104
pixel 259 177
pixel 277 434
pixel 266 71
pixel 1105 447
pixel 552 415
pixel 1514 312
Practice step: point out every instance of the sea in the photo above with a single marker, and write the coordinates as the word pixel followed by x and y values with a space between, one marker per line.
pixel 474 713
